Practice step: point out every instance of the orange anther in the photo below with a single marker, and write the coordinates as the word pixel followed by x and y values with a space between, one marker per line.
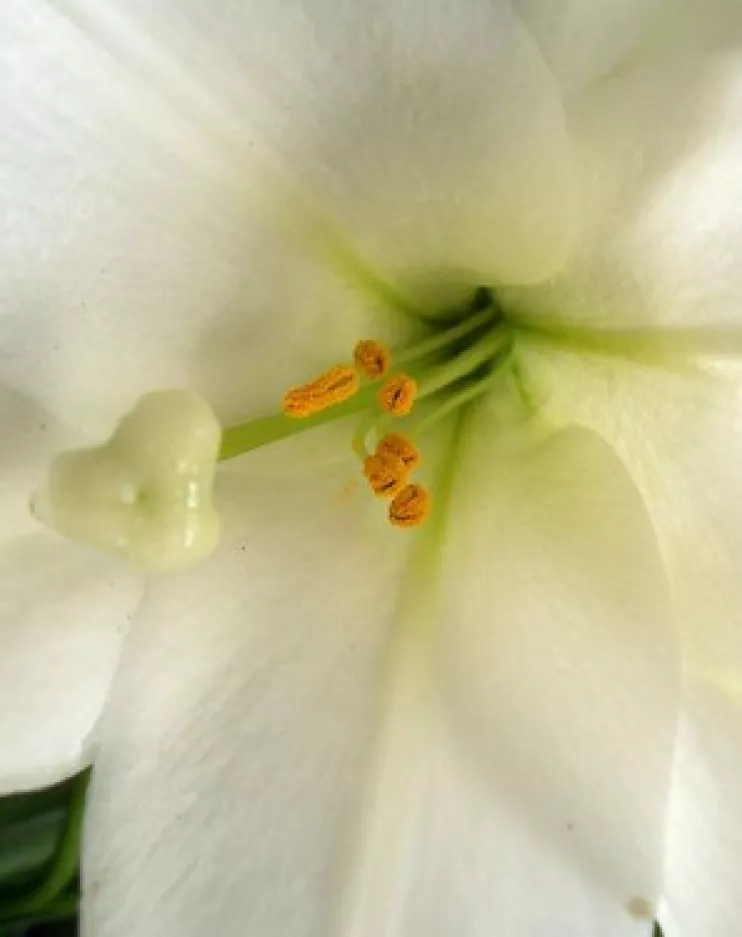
pixel 398 395
pixel 386 474
pixel 371 358
pixel 400 446
pixel 410 506
pixel 330 388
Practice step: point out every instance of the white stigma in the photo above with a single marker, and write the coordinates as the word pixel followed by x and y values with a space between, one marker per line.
pixel 147 491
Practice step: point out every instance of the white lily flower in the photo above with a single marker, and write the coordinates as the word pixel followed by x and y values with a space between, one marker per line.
pixel 524 718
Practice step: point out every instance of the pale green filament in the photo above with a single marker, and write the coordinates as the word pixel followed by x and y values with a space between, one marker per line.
pixel 494 347
pixel 469 393
pixel 442 339
pixel 237 440
pixel 462 365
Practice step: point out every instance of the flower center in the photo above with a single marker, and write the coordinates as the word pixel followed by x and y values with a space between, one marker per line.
pixel 147 492
pixel 398 395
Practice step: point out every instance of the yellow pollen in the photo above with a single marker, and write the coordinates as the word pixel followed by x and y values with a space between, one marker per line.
pixel 333 387
pixel 398 395
pixel 371 358
pixel 400 446
pixel 386 474
pixel 410 506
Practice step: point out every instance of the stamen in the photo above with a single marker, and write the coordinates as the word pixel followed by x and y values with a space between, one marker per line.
pixel 410 507
pixel 386 474
pixel 398 395
pixel 400 446
pixel 333 387
pixel 372 359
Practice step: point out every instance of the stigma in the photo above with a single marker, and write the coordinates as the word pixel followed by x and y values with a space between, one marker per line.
pixel 147 491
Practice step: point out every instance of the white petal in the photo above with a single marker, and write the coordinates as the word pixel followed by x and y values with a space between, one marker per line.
pixel 31 437
pixel 229 794
pixel 472 831
pixel 191 718
pixel 481 866
pixel 660 234
pixel 236 739
pixel 63 613
pixel 138 254
pixel 560 656
pixel 705 833
pixel 432 133
pixel 585 40
pixel 679 433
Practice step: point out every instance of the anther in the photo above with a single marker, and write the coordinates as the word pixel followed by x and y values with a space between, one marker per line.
pixel 410 506
pixel 333 387
pixel 398 395
pixel 400 446
pixel 386 474
pixel 371 358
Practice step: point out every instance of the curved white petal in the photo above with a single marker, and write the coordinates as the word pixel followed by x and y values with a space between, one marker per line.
pixel 560 659
pixel 443 848
pixel 481 866
pixel 234 792
pixel 63 614
pixel 679 433
pixel 430 133
pixel 32 436
pixel 703 898
pixel 138 251
pixel 585 40
pixel 660 229
pixel 236 739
